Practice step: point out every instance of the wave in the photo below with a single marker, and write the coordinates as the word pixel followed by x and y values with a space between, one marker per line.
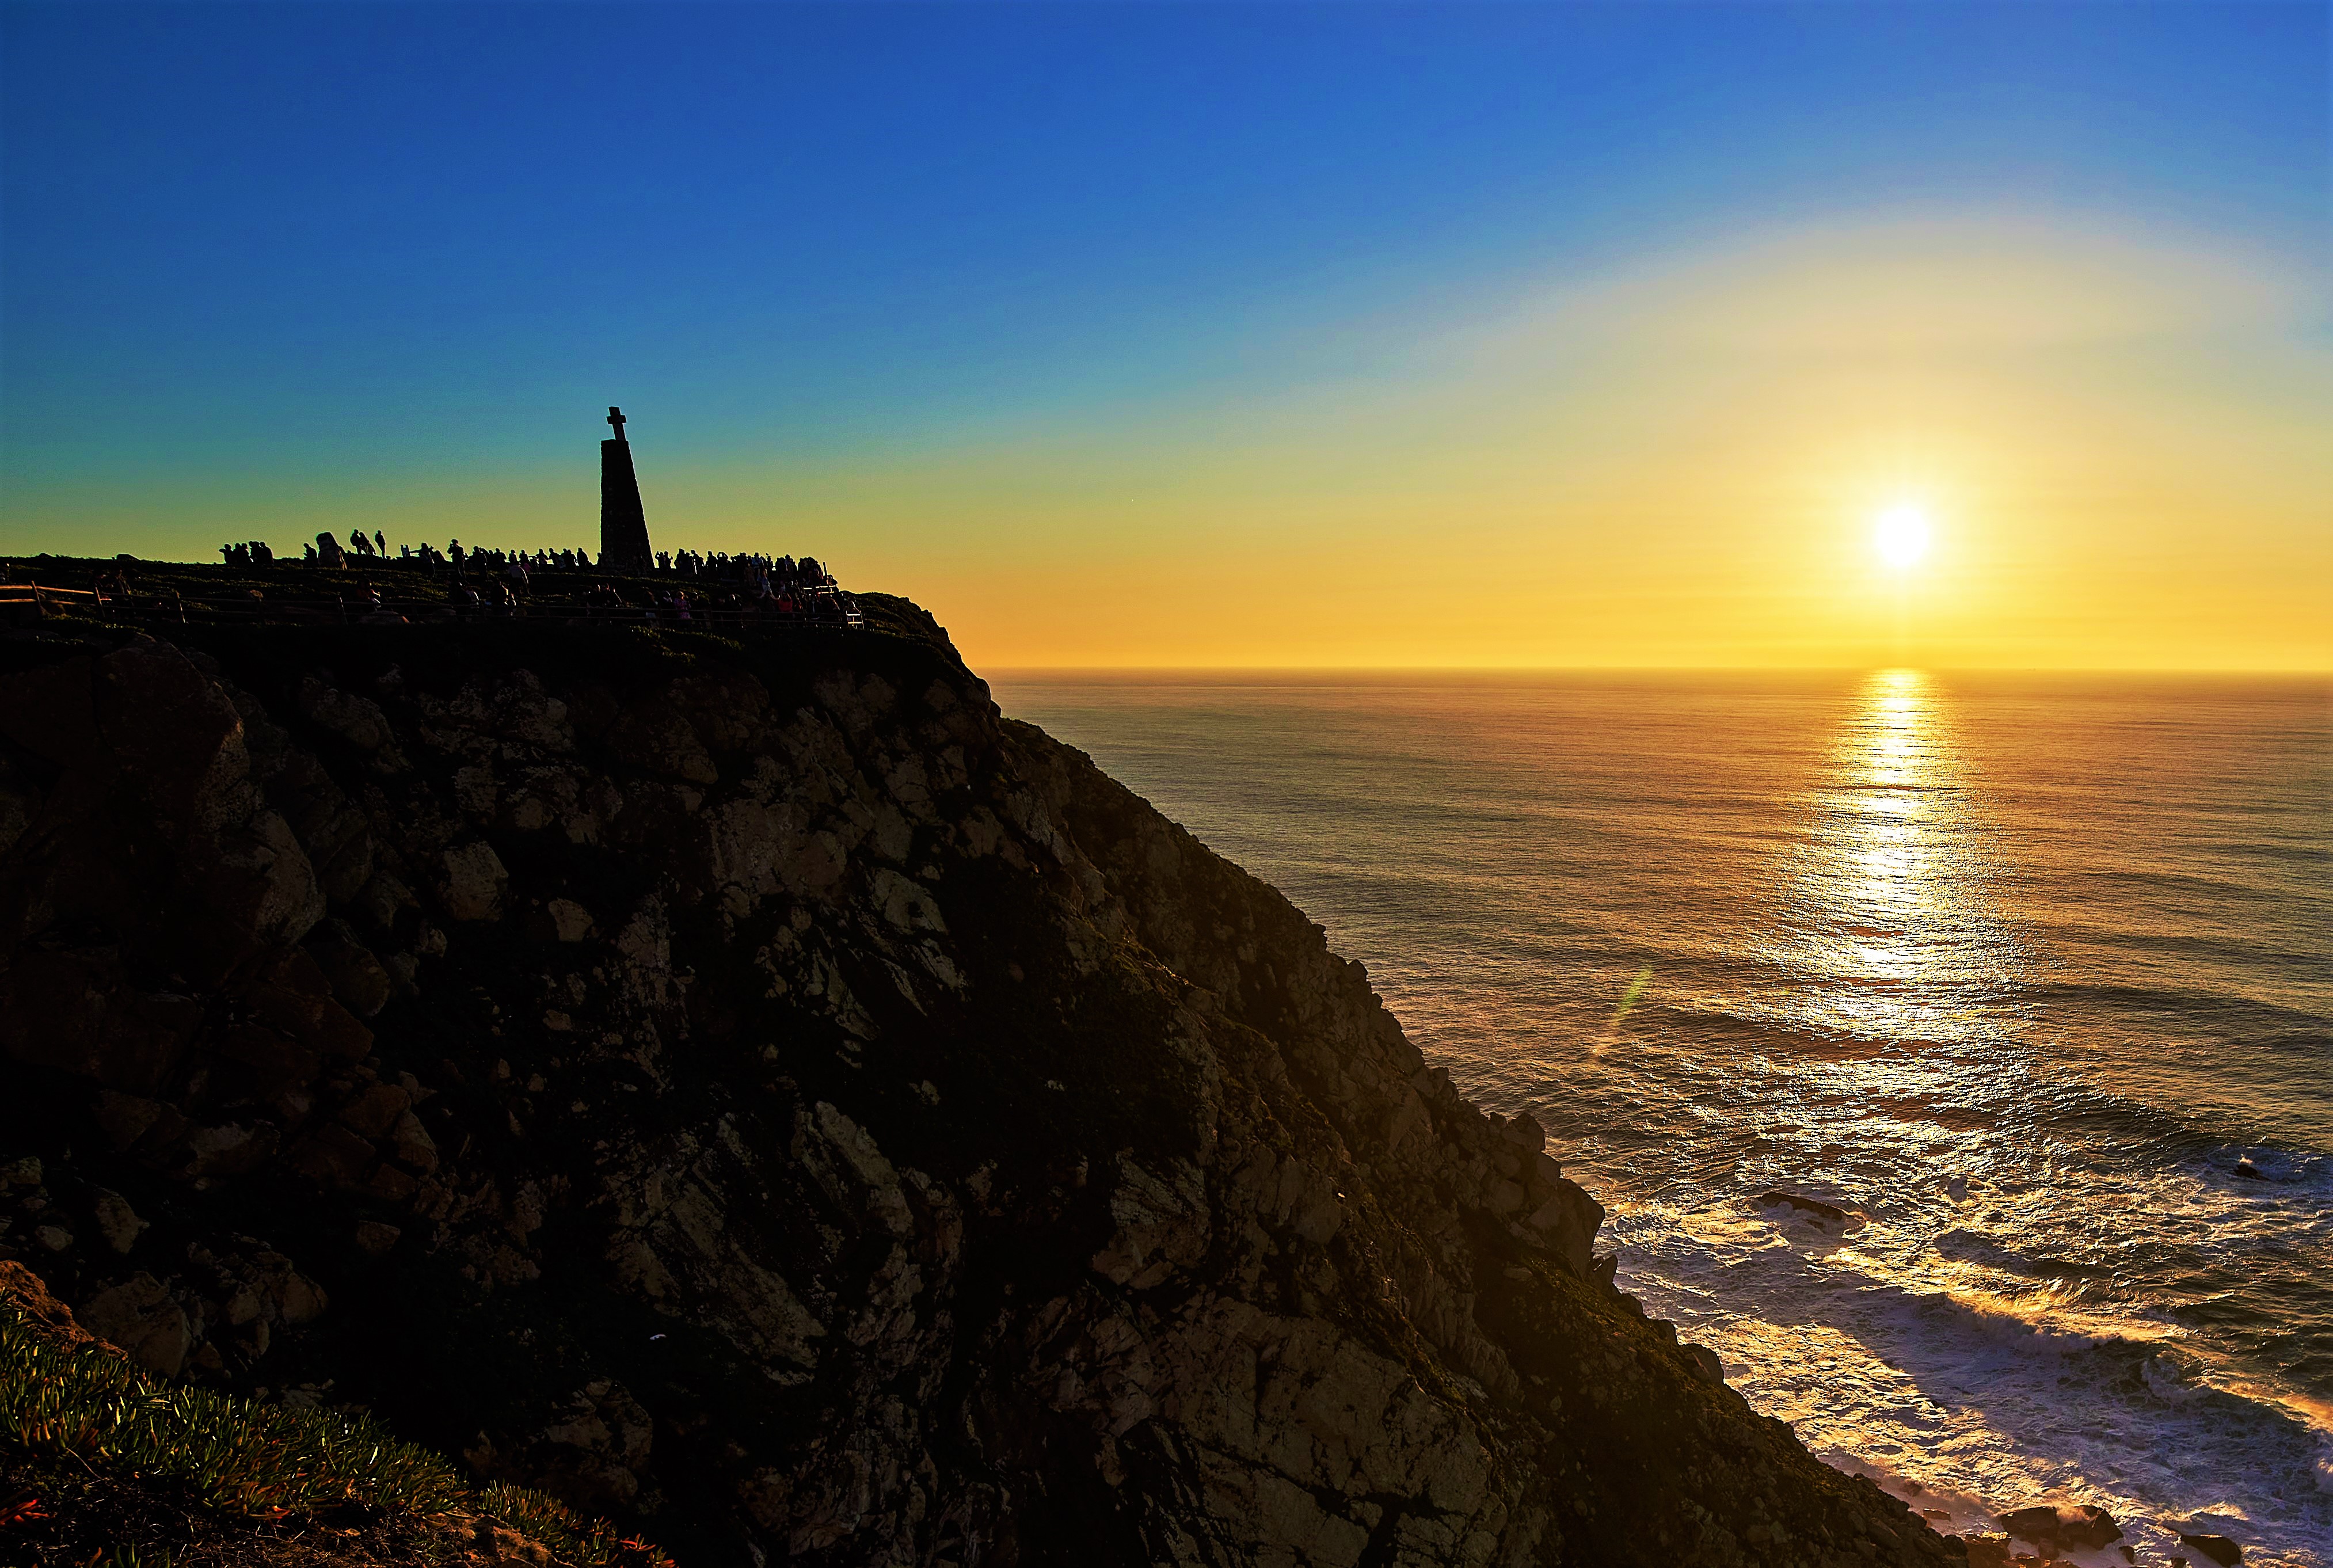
pixel 1968 1401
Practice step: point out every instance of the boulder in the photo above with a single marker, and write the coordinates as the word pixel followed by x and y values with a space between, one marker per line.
pixel 475 882
pixel 358 981
pixel 2218 1548
pixel 1988 1551
pixel 2054 1529
pixel 116 1221
pixel 569 920
pixel 139 1317
pixel 375 1239
pixel 1823 1216
pixel 590 1454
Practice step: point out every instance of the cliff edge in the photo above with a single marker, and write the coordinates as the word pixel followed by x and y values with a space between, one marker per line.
pixel 756 1092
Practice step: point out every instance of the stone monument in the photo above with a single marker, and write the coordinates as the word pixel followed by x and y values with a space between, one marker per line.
pixel 623 526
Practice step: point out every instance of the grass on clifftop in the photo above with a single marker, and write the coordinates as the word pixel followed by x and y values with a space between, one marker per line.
pixel 93 1451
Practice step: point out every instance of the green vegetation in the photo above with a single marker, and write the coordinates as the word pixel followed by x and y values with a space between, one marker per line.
pixel 266 1463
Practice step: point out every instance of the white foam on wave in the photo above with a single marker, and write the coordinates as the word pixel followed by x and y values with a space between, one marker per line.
pixel 1964 1394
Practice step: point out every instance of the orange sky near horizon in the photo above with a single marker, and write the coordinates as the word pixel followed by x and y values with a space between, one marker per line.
pixel 2123 437
pixel 2124 443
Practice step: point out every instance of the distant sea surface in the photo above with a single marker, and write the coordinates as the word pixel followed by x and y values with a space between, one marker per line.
pixel 2032 978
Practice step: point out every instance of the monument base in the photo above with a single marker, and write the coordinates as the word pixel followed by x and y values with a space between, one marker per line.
pixel 623 524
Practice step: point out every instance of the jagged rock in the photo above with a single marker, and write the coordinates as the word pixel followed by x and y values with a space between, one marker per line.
pixel 410 1142
pixel 2054 1528
pixel 291 1296
pixel 1570 1219
pixel 50 1318
pixel 355 719
pixel 375 1238
pixel 1988 1551
pixel 357 980
pixel 473 881
pixel 570 920
pixel 874 1136
pixel 591 1452
pixel 2227 1553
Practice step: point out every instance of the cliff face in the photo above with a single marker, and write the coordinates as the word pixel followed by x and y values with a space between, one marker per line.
pixel 761 1092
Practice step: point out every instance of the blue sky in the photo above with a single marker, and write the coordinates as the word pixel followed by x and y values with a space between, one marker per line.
pixel 307 251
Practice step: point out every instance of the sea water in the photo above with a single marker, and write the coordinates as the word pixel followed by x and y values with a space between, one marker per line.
pixel 2032 979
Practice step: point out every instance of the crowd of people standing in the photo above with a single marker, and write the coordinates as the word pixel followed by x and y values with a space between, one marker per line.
pixel 485 582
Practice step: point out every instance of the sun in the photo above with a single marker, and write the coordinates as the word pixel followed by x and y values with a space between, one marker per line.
pixel 1901 535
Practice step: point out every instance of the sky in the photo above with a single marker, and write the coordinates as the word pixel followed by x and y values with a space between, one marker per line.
pixel 1247 335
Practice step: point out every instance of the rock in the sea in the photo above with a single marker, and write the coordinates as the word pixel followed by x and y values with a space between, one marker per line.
pixel 1824 1215
pixel 2083 1528
pixel 2218 1548
pixel 2246 1170
pixel 1988 1551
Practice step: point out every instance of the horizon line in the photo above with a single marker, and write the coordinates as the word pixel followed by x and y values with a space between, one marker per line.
pixel 2290 672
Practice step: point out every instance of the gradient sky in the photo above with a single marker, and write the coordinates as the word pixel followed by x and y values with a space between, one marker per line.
pixel 1273 334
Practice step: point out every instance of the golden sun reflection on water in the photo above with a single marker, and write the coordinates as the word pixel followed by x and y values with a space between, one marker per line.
pixel 1888 912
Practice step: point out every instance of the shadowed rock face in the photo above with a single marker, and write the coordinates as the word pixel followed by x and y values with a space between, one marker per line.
pixel 766 1092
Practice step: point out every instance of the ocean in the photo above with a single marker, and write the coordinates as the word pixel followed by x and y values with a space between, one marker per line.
pixel 2031 978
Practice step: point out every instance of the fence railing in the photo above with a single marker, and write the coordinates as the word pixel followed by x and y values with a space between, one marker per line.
pixel 39 598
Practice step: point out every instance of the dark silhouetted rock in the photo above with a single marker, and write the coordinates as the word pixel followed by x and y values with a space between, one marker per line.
pixel 139 1315
pixel 48 1317
pixel 2083 1528
pixel 755 1088
pixel 1825 1215
pixel 1988 1551
pixel 2218 1548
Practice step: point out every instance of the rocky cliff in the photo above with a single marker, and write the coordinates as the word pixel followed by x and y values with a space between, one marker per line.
pixel 758 1091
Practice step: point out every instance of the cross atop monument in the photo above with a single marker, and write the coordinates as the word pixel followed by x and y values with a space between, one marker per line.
pixel 616 420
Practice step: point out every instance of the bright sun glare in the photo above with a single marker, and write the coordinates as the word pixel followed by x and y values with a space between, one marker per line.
pixel 1901 535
